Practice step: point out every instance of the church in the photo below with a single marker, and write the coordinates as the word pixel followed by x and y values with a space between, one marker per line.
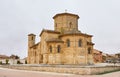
pixel 63 45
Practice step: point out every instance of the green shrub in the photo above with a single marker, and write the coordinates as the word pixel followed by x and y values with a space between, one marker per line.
pixel 7 61
pixel 18 62
pixel 0 62
pixel 25 61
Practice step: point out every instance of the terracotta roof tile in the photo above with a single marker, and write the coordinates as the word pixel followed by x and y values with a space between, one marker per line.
pixel 54 40
pixel 65 14
pixel 50 31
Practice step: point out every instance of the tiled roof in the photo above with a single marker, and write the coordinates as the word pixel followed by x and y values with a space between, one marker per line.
pixel 65 14
pixel 75 32
pixel 54 40
pixel 4 57
pixel 35 45
pixel 72 31
pixel 96 51
pixel 31 34
pixel 50 31
pixel 90 43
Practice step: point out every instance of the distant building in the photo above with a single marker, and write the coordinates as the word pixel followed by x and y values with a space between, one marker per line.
pixel 13 59
pixel 4 57
pixel 97 55
pixel 104 57
pixel 117 55
pixel 110 58
pixel 63 45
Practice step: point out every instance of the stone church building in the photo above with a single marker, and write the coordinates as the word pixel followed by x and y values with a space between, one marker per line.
pixel 63 45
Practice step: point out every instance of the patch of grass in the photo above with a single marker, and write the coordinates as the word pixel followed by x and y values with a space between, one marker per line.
pixel 108 72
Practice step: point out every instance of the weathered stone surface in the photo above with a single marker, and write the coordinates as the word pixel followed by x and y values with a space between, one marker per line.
pixel 63 45
pixel 84 70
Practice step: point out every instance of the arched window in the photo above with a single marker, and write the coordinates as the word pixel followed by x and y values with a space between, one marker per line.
pixel 70 24
pixel 79 43
pixel 58 48
pixel 31 38
pixel 68 43
pixel 89 50
pixel 50 49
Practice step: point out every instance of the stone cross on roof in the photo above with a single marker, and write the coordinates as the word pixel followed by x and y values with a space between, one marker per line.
pixel 65 10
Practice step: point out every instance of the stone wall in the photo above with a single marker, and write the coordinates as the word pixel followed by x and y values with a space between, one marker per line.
pixel 83 70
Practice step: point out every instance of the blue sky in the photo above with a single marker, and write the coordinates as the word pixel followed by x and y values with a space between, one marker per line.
pixel 18 18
